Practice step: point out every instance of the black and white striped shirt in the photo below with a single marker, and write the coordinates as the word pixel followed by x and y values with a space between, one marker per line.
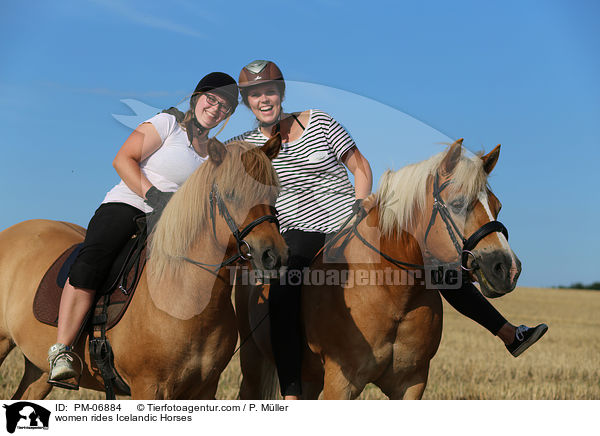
pixel 316 194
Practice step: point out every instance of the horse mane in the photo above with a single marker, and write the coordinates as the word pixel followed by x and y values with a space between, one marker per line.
pixel 244 178
pixel 402 194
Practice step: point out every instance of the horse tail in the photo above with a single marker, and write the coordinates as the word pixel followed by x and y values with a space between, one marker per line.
pixel 269 383
pixel 259 375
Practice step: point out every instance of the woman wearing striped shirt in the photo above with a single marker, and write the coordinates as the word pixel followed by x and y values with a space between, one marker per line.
pixel 316 196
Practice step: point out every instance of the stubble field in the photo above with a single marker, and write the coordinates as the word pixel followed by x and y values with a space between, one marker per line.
pixel 471 363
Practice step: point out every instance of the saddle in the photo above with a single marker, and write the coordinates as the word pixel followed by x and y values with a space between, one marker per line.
pixel 112 300
pixel 118 289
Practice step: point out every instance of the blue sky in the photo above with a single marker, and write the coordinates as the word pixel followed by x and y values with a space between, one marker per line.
pixel 401 77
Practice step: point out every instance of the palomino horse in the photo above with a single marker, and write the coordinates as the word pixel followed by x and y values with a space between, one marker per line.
pixel 179 331
pixel 373 317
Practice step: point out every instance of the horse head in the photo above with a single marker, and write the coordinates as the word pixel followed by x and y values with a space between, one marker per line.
pixel 223 211
pixel 247 186
pixel 460 219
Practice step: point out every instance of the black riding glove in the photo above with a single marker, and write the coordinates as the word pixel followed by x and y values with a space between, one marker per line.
pixel 157 199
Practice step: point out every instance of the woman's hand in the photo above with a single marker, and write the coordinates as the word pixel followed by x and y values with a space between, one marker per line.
pixel 142 142
pixel 157 199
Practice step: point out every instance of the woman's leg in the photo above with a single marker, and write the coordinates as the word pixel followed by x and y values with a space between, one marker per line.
pixel 285 313
pixel 75 303
pixel 471 303
pixel 109 229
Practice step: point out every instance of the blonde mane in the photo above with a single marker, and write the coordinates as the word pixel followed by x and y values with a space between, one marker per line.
pixel 402 194
pixel 244 178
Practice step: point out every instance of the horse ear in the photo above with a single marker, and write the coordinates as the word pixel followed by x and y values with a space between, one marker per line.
pixel 272 146
pixel 452 157
pixel 216 151
pixel 490 159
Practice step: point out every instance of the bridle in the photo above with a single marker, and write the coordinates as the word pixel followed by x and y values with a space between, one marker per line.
pixel 243 247
pixel 439 206
pixel 469 244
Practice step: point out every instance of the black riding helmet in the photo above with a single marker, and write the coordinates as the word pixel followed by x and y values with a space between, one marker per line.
pixel 222 84
pixel 219 83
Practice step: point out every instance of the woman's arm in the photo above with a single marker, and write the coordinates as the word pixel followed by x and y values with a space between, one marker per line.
pixel 142 142
pixel 360 168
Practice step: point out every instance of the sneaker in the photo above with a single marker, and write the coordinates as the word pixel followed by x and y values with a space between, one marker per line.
pixel 525 337
pixel 61 363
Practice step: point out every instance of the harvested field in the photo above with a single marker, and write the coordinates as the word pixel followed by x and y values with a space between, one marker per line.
pixel 472 364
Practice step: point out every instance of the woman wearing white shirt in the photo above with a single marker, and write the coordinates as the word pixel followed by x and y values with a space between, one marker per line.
pixel 153 163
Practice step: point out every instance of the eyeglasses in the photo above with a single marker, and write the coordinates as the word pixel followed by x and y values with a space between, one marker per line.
pixel 224 108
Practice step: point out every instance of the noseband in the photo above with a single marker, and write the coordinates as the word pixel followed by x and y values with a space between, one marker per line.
pixel 467 244
pixel 244 248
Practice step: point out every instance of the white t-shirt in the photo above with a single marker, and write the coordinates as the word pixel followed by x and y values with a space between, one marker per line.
pixel 167 168
pixel 316 194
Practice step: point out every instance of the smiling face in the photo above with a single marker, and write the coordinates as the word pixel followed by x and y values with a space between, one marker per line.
pixel 210 109
pixel 264 101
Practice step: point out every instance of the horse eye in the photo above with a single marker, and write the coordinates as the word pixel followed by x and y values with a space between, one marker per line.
pixel 458 204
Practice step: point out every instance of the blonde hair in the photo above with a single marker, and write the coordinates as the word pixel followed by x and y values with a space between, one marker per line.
pixel 402 195
pixel 187 116
pixel 244 178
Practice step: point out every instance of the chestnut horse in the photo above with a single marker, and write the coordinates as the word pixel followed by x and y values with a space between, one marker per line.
pixel 373 314
pixel 179 331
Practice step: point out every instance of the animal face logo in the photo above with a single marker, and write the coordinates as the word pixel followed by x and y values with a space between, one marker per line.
pixel 26 415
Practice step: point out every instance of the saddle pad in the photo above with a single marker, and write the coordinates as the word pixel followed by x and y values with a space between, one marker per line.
pixel 47 297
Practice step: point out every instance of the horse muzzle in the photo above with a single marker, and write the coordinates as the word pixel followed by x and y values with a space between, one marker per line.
pixel 496 271
pixel 267 257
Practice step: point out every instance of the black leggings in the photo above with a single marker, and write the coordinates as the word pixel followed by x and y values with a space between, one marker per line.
pixel 471 303
pixel 109 229
pixel 284 309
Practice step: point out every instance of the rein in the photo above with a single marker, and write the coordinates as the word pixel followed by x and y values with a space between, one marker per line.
pixel 439 206
pixel 244 249
pixel 360 215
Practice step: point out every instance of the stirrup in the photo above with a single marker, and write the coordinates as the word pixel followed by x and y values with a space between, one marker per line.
pixel 69 383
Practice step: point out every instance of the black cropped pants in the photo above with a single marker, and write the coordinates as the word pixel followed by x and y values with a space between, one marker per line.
pixel 109 230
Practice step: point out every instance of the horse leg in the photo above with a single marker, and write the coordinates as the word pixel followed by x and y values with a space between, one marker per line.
pixel 6 346
pixel 409 387
pixel 259 375
pixel 207 392
pixel 146 388
pixel 337 386
pixel 312 375
pixel 250 364
pixel 311 390
pixel 34 383
pixel 415 391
